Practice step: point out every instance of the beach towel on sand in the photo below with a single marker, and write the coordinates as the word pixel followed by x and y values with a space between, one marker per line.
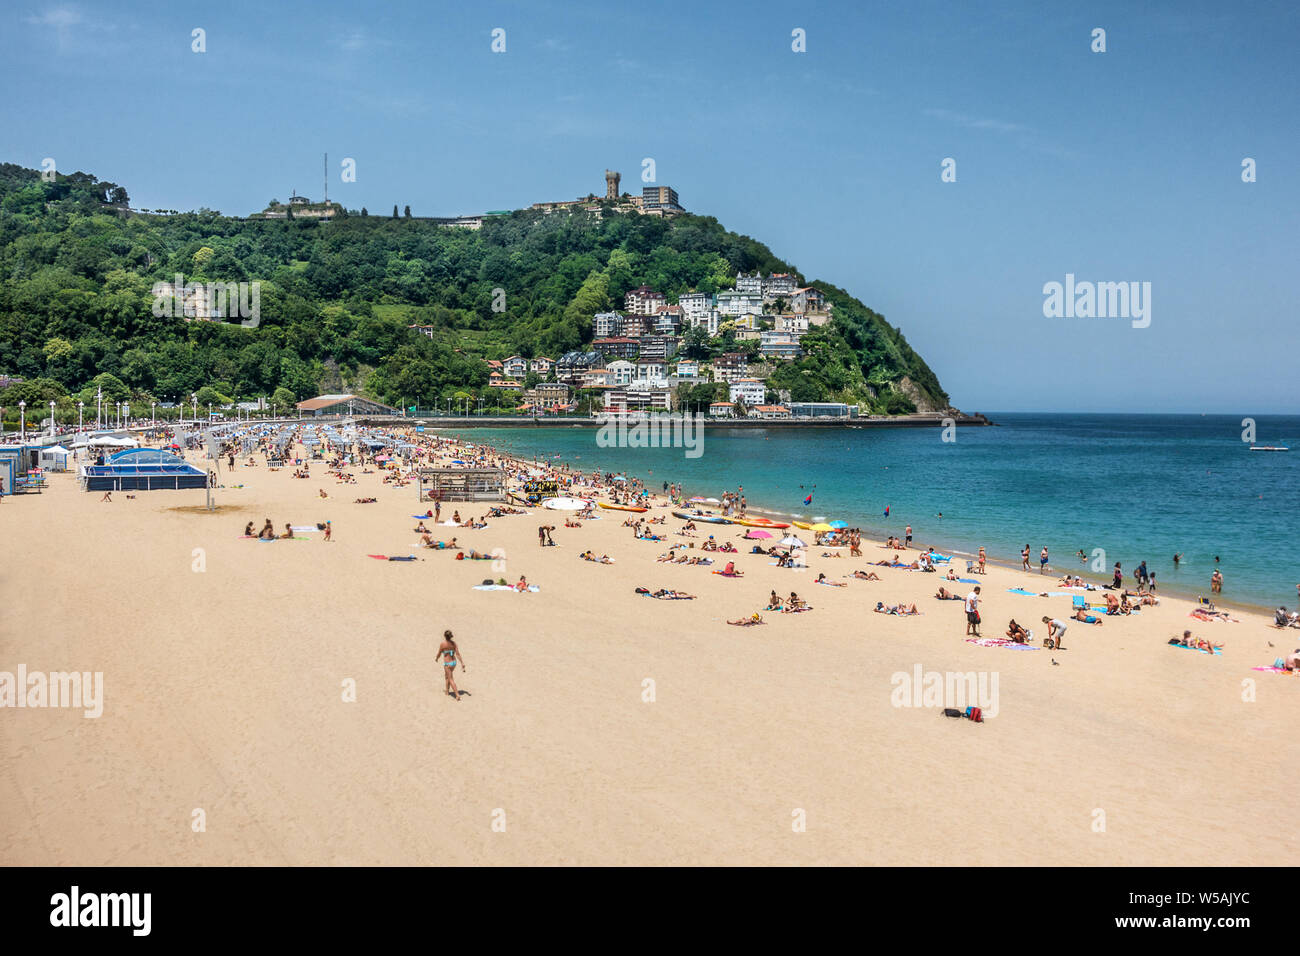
pixel 1217 652
pixel 502 587
pixel 384 557
pixel 1274 669
pixel 999 642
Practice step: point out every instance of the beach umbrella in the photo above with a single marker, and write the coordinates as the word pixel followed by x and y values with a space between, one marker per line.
pixel 619 478
pixel 757 534
pixel 821 526
pixel 791 541
pixel 839 524
pixel 713 501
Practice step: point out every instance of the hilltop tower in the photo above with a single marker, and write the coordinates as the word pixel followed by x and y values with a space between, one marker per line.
pixel 611 184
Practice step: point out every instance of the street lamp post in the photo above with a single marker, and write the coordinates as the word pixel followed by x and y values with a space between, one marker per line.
pixel 194 404
pixel 81 407
pixel 51 418
pixel 22 420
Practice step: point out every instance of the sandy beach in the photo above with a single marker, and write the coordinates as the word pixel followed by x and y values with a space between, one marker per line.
pixel 226 663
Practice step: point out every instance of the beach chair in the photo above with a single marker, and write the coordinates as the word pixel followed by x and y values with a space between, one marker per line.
pixel 970 567
pixel 1080 602
pixel 1204 604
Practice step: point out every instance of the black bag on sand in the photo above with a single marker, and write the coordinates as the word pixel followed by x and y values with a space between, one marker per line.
pixel 952 712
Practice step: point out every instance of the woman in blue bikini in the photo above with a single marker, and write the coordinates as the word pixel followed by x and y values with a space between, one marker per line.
pixel 449 654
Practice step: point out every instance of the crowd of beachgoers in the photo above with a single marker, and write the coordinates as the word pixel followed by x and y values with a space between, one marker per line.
pixel 717 533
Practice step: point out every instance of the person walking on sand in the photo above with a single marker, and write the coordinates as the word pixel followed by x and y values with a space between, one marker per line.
pixel 907 540
pixel 329 531
pixel 1024 558
pixel 973 612
pixel 449 654
pixel 983 558
pixel 1042 560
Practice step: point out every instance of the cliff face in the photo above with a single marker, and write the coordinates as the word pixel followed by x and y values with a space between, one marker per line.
pixel 76 299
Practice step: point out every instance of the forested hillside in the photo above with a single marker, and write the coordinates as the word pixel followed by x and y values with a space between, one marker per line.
pixel 77 270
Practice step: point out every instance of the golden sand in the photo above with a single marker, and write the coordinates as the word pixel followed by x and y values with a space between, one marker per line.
pixel 225 663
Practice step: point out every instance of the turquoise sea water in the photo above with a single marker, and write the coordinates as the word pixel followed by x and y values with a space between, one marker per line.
pixel 1141 487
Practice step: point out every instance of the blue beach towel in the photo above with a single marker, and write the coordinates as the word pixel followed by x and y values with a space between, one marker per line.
pixel 1202 650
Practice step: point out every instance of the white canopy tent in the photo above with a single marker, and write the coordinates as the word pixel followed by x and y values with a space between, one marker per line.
pixel 54 458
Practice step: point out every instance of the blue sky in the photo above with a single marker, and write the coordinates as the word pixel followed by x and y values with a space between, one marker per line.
pixel 1115 166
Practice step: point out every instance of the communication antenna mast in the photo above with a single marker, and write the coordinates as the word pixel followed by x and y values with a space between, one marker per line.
pixel 326 170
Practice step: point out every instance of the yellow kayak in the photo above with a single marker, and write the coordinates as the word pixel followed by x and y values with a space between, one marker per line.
pixel 804 525
pixel 759 523
pixel 610 507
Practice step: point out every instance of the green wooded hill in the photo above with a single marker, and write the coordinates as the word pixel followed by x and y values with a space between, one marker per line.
pixel 337 299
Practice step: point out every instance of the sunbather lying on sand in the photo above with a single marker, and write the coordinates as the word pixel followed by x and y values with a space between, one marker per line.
pixel 1199 643
pixel 670 595
pixel 821 579
pixel 943 594
pixel 866 575
pixel 603 559
pixel 1082 615
pixel 904 610
pixel 750 621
